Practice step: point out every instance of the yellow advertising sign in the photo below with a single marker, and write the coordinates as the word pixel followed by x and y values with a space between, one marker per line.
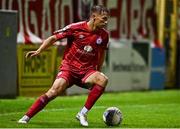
pixel 36 74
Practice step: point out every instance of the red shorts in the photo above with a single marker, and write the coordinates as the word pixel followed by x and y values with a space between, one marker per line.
pixel 75 78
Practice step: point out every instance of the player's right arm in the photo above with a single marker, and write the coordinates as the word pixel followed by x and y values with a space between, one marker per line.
pixel 59 34
pixel 48 42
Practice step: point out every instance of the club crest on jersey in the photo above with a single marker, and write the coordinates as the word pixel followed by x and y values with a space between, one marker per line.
pixel 88 48
pixel 99 40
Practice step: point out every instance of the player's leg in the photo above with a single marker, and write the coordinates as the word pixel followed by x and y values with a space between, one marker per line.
pixel 57 88
pixel 99 82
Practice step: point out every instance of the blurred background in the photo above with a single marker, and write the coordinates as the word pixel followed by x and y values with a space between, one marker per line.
pixel 144 51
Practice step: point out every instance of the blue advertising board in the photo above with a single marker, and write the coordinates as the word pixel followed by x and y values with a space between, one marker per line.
pixel 157 77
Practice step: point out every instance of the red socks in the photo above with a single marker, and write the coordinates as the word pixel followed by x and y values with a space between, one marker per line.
pixel 38 105
pixel 93 96
pixel 43 100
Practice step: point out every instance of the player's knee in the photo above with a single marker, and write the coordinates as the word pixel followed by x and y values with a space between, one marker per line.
pixel 52 93
pixel 105 80
pixel 102 80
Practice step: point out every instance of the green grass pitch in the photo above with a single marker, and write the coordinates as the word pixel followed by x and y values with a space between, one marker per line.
pixel 140 109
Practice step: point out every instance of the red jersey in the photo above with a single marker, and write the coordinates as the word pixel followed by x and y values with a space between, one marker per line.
pixel 81 53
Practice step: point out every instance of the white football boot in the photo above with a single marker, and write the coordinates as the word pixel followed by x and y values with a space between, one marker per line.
pixel 82 119
pixel 24 120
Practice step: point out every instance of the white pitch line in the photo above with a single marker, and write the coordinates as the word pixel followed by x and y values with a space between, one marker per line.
pixel 52 110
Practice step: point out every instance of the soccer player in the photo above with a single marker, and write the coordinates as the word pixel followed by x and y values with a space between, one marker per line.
pixel 82 61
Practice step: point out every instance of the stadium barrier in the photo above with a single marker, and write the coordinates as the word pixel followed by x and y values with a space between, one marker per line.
pixel 128 65
pixel 157 79
pixel 35 75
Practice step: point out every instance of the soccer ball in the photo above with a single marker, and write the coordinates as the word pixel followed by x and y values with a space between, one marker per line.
pixel 112 116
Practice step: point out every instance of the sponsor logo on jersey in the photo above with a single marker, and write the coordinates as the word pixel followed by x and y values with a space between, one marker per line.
pixel 88 48
pixel 99 40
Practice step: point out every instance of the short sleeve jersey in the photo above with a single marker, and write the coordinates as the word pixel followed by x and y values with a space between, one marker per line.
pixel 81 53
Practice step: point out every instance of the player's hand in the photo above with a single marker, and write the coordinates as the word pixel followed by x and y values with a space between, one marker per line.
pixel 32 53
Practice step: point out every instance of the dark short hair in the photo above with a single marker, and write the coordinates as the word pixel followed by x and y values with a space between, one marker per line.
pixel 99 9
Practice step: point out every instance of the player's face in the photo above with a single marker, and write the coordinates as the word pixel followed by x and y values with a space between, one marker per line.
pixel 101 20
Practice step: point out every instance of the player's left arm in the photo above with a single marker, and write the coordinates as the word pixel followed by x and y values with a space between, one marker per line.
pixel 101 57
pixel 102 52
